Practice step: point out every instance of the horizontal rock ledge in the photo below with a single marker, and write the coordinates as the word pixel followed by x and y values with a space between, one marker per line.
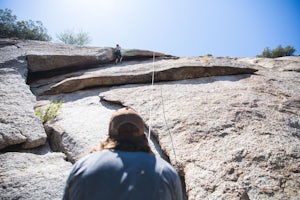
pixel 40 63
pixel 43 65
pixel 172 74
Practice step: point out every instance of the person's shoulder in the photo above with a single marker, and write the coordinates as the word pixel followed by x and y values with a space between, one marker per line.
pixel 93 156
pixel 165 167
pixel 102 153
pixel 162 162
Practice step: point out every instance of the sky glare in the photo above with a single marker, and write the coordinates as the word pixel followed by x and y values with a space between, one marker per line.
pixel 236 28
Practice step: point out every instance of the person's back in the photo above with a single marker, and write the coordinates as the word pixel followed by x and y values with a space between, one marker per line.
pixel 123 167
pixel 123 175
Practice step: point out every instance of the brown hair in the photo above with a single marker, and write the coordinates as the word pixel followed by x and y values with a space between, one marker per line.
pixel 139 143
pixel 125 132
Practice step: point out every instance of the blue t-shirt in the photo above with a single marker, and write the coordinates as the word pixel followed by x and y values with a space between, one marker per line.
pixel 121 175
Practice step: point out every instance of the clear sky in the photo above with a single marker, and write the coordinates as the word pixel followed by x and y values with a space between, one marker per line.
pixel 237 28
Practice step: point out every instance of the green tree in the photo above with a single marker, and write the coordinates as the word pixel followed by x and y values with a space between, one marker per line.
pixel 289 50
pixel 267 53
pixel 10 27
pixel 7 23
pixel 69 37
pixel 32 30
pixel 279 51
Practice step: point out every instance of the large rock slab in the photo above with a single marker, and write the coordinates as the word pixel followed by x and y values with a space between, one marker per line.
pixel 45 56
pixel 288 63
pixel 141 72
pixel 31 176
pixel 69 59
pixel 82 123
pixel 235 137
pixel 135 54
pixel 18 123
pixel 11 56
pixel 7 42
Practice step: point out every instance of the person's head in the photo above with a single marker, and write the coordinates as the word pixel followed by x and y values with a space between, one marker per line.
pixel 117 45
pixel 126 132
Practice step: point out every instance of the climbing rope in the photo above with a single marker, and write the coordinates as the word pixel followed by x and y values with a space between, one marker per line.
pixel 171 138
pixel 151 98
pixel 163 107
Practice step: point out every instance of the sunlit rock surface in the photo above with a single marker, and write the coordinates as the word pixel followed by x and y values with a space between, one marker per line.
pixel 230 126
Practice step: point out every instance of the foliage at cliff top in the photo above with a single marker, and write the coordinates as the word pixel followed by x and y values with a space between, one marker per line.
pixel 31 30
pixel 70 37
pixel 277 52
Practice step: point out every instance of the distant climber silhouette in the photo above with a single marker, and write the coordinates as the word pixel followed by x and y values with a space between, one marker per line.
pixel 118 54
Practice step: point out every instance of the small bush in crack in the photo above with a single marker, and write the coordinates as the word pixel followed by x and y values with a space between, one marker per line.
pixel 50 112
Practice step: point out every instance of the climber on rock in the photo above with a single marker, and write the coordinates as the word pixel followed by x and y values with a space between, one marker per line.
pixel 123 166
pixel 118 54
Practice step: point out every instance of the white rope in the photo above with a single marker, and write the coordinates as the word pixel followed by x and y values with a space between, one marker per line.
pixel 163 106
pixel 171 138
pixel 151 98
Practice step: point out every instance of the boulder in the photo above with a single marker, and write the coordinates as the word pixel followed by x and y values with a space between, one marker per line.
pixel 32 176
pixel 69 59
pixel 82 124
pixel 11 56
pixel 18 123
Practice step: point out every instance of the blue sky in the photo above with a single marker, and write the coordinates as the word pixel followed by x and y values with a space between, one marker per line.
pixel 237 28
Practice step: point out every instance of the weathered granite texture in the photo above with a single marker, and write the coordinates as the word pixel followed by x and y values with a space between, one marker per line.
pixel 32 176
pixel 234 123
pixel 18 124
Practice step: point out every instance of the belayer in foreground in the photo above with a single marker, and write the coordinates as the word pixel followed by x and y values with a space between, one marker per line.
pixel 123 167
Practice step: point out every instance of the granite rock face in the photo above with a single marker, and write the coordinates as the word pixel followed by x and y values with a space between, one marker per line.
pixel 44 57
pixel 137 72
pixel 50 62
pixel 233 136
pixel 32 176
pixel 230 126
pixel 18 123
